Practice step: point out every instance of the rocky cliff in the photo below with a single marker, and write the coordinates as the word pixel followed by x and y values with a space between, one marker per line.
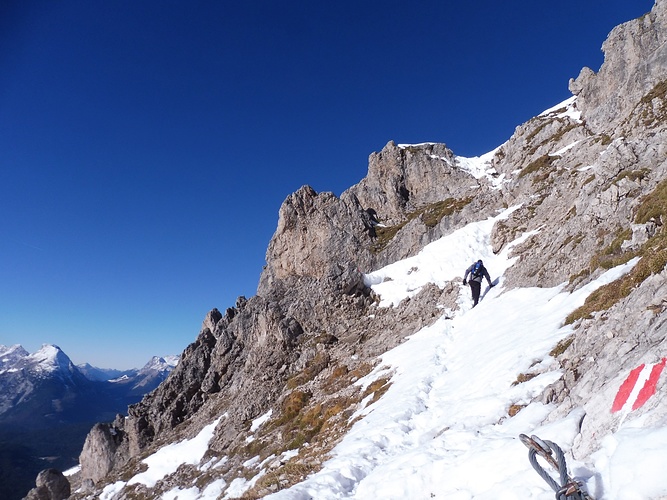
pixel 589 177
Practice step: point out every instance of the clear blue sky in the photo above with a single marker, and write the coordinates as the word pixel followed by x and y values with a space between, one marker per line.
pixel 146 146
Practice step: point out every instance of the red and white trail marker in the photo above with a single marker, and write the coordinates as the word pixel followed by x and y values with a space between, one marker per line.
pixel 638 387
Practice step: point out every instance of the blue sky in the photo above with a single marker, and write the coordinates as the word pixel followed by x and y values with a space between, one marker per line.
pixel 146 146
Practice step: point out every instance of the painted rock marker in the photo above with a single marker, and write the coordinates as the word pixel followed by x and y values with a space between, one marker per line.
pixel 638 387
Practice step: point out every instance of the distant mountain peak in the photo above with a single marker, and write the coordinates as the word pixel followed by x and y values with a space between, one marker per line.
pixel 10 355
pixel 12 349
pixel 158 363
pixel 50 358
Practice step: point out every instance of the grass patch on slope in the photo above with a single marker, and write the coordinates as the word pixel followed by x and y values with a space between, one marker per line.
pixel 430 215
pixel 303 420
pixel 653 255
pixel 314 368
pixel 650 111
pixel 542 167
pixel 655 113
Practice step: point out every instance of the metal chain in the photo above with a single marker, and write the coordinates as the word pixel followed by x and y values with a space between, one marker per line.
pixel 567 488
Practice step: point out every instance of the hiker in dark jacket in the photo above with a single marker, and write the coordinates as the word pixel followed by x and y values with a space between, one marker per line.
pixel 477 271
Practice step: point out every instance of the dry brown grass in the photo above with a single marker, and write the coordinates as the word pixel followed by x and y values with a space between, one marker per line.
pixel 544 165
pixel 653 255
pixel 315 366
pixel 514 409
pixel 430 215
pixel 524 377
pixel 561 347
pixel 377 388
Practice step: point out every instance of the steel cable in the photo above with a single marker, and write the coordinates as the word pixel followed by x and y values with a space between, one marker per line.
pixel 567 489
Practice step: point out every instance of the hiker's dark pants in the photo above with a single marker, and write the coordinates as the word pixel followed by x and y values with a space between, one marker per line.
pixel 475 287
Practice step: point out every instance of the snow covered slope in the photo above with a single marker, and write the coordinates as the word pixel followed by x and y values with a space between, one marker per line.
pixel 442 429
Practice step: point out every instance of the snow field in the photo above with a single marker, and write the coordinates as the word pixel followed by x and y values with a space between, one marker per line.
pixel 442 429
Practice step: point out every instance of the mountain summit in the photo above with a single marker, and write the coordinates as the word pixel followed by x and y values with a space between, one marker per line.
pixel 360 370
pixel 23 376
pixel 50 359
pixel 10 355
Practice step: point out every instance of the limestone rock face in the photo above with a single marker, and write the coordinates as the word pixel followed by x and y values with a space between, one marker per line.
pixel 401 179
pixel 318 236
pixel 635 61
pixel 322 236
pixel 101 449
pixel 611 344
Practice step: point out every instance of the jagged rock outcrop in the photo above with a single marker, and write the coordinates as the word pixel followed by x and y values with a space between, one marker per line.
pixel 402 179
pixel 635 63
pixel 312 229
pixel 101 449
pixel 421 193
pixel 325 237
pixel 579 175
pixel 588 166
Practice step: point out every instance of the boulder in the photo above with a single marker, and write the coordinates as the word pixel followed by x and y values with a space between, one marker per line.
pixel 51 484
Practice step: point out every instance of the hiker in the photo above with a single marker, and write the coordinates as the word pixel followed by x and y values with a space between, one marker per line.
pixel 477 271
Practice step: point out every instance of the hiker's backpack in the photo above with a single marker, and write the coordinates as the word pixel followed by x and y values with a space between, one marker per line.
pixel 477 270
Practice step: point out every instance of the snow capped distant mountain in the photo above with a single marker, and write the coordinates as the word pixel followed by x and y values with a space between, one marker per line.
pixel 49 375
pixel 150 376
pixel 10 355
pixel 49 358
pixel 162 365
pixel 159 364
pixel 44 392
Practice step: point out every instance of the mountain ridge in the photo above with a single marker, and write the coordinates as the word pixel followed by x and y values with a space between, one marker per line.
pixel 588 178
